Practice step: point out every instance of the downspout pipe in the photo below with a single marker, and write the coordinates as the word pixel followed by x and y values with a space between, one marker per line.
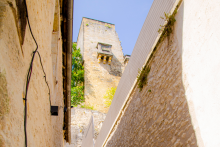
pixel 69 63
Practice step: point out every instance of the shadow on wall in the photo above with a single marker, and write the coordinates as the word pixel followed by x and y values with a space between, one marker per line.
pixel 19 14
pixel 88 90
pixel 115 68
pixel 4 105
pixel 159 114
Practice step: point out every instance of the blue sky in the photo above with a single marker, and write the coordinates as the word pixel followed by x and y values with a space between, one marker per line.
pixel 127 15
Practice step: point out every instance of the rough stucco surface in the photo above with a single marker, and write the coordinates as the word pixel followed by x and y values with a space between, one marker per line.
pixel 201 62
pixel 98 76
pixel 159 114
pixel 42 128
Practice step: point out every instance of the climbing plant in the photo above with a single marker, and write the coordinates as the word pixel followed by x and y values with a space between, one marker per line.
pixel 77 77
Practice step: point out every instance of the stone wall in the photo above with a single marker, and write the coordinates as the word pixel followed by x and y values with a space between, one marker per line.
pixel 98 76
pixel 179 105
pixel 79 123
pixel 15 56
pixel 159 114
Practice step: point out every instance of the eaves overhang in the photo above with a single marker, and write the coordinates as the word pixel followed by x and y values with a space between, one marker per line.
pixel 66 31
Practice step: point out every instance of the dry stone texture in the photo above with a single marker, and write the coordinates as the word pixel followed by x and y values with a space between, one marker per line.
pixel 98 76
pixel 80 118
pixel 158 116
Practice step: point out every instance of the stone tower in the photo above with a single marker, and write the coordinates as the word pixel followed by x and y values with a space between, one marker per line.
pixel 103 60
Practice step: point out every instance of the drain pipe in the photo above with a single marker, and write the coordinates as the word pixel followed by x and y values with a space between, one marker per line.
pixel 69 63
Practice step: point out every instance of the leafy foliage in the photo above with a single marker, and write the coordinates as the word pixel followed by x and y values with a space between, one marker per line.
pixel 77 67
pixel 77 95
pixel 109 96
pixel 77 79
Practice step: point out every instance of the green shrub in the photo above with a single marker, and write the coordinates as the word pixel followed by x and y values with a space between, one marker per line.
pixel 77 77
pixel 77 95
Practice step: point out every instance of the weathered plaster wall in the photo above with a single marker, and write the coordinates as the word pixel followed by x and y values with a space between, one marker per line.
pixel 42 128
pixel 200 68
pixel 98 76
pixel 159 114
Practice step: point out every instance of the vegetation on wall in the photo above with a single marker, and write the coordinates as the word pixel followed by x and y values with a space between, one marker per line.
pixel 87 107
pixel 165 31
pixel 77 77
pixel 142 77
pixel 109 96
pixel 108 26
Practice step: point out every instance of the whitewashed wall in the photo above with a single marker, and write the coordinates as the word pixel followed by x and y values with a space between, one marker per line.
pixel 201 68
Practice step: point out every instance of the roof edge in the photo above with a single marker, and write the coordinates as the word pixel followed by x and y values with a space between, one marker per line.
pixel 99 20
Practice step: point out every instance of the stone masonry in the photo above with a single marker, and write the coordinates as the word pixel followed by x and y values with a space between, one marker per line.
pixel 79 123
pixel 99 76
pixel 158 116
